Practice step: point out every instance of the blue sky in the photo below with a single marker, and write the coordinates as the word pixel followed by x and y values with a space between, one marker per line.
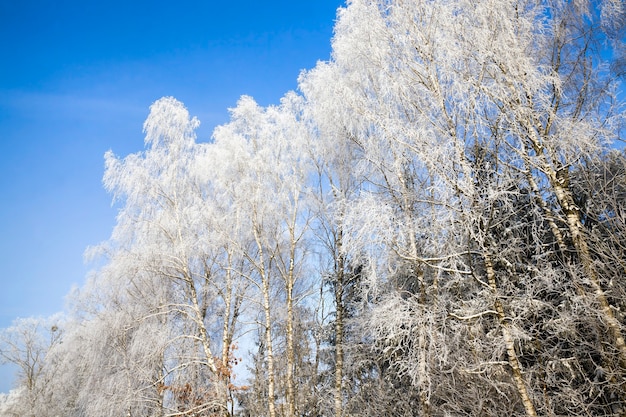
pixel 77 79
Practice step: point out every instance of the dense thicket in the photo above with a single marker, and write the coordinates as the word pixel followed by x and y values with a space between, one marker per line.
pixel 435 225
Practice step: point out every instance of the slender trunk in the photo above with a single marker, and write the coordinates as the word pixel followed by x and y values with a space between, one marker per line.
pixel 267 311
pixel 291 388
pixel 339 325
pixel 423 377
pixel 560 184
pixel 290 280
pixel 160 371
pixel 268 349
pixel 559 181
pixel 129 386
pixel 226 341
pixel 160 392
pixel 543 205
pixel 221 401
pixel 204 334
pixel 226 333
pixel 509 342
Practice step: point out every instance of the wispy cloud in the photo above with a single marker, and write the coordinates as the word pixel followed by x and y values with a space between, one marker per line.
pixel 68 106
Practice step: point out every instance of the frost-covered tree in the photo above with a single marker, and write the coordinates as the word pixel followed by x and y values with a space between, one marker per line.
pixel 169 247
pixel 264 172
pixel 337 182
pixel 10 403
pixel 435 227
pixel 469 116
pixel 26 345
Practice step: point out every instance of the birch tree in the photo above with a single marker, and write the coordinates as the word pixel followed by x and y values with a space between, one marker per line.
pixel 450 169
pixel 168 231
pixel 421 181
pixel 26 345
pixel 265 174
pixel 434 87
pixel 336 160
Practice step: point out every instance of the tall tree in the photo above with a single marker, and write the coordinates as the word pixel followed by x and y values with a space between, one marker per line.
pixel 169 231
pixel 26 345
pixel 336 184
pixel 266 173
pixel 433 86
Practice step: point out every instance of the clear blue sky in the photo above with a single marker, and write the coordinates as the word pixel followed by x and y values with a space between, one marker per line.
pixel 77 78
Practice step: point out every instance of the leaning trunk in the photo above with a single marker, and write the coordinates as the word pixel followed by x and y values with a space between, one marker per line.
pixel 509 342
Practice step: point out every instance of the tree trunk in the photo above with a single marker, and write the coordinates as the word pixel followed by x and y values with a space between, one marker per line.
pixel 269 351
pixel 290 280
pixel 509 342
pixel 205 341
pixel 339 326
pixel 227 335
pixel 560 182
pixel 291 360
pixel 267 311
